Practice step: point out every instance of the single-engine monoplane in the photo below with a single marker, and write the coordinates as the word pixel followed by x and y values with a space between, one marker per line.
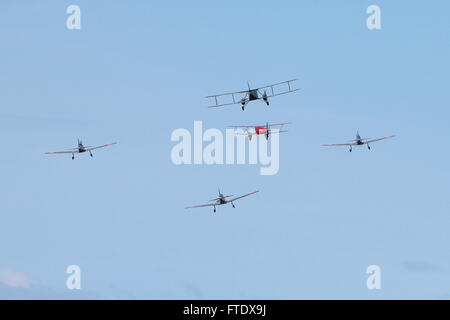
pixel 221 200
pixel 81 149
pixel 358 142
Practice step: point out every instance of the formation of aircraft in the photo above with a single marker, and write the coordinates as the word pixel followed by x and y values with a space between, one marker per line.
pixel 250 131
pixel 358 142
pixel 254 94
pixel 221 200
pixel 81 149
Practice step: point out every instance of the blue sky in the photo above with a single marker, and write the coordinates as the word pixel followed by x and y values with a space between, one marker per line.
pixel 137 71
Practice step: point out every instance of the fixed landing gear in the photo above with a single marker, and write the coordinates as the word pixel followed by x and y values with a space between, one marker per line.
pixel 233 205
pixel 243 107
pixel 350 149
pixel 90 154
pixel 214 209
pixel 368 147
pixel 73 157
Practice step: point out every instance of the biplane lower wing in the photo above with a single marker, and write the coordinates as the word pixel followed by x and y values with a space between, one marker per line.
pixel 280 93
pixel 224 104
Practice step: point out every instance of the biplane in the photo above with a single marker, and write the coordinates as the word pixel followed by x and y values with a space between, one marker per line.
pixel 262 93
pixel 221 200
pixel 81 149
pixel 266 130
pixel 358 142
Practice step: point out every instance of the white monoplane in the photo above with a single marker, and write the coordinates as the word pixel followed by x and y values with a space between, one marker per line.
pixel 81 149
pixel 358 142
pixel 221 200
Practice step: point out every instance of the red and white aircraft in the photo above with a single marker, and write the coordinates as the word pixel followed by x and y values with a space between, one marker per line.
pixel 250 131
pixel 81 149
pixel 358 142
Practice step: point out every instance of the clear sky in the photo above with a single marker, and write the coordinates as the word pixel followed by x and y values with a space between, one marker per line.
pixel 138 70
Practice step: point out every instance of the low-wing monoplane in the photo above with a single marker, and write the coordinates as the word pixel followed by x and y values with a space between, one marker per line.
pixel 266 130
pixel 81 149
pixel 358 142
pixel 262 93
pixel 221 200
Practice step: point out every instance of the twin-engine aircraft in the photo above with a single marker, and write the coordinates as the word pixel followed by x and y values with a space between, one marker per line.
pixel 358 142
pixel 250 131
pixel 81 149
pixel 221 200
pixel 254 94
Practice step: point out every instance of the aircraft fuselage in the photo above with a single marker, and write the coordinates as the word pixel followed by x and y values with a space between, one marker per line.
pixel 261 130
pixel 253 95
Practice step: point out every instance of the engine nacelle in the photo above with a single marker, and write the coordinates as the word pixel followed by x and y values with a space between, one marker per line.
pixel 265 98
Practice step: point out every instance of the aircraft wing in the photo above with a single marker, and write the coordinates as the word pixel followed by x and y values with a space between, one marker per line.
pixel 277 84
pixel 245 195
pixel 339 144
pixel 98 147
pixel 227 94
pixel 262 125
pixel 237 127
pixel 273 93
pixel 374 140
pixel 235 99
pixel 279 131
pixel 278 124
pixel 269 95
pixel 223 104
pixel 61 152
pixel 201 205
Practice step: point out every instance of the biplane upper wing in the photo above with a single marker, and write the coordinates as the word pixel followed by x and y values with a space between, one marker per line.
pixel 374 140
pixel 278 124
pixel 273 93
pixel 237 127
pixel 98 147
pixel 245 195
pixel 262 125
